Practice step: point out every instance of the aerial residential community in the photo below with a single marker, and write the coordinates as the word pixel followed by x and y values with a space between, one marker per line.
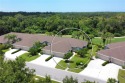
pixel 62 41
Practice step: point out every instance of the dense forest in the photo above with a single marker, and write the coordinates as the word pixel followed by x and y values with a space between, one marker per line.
pixel 93 23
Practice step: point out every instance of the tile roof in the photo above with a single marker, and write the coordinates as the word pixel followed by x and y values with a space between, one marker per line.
pixel 116 45
pixel 59 44
pixel 116 50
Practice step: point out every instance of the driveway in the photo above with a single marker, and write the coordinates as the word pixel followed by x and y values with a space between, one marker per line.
pixel 96 70
pixel 41 61
pixel 9 56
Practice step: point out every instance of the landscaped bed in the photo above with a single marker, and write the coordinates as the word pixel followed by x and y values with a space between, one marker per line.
pixel 29 57
pixel 121 76
pixel 73 64
pixel 16 51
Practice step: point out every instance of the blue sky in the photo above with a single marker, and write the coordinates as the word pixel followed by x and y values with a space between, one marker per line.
pixel 63 5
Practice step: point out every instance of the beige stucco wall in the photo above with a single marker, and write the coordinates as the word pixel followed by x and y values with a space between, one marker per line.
pixel 56 54
pixel 103 57
pixel 114 60
pixel 22 47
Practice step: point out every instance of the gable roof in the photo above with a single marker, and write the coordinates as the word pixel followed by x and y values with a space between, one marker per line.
pixel 59 44
pixel 116 45
pixel 116 50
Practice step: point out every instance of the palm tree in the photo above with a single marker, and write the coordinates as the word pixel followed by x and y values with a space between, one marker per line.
pixel 111 36
pixel 104 38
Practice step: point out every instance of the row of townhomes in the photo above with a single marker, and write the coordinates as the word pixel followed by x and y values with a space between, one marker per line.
pixel 114 52
pixel 58 46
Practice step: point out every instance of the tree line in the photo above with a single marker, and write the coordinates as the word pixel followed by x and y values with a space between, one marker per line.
pixel 50 23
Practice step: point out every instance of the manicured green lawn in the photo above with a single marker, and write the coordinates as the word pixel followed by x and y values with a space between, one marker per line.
pixel 75 59
pixel 42 78
pixel 99 40
pixel 61 65
pixel 69 36
pixel 5 50
pixel 121 76
pixel 95 49
pixel 72 66
pixel 29 57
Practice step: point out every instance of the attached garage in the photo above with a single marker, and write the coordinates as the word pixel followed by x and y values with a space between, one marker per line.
pixel 60 45
pixel 115 53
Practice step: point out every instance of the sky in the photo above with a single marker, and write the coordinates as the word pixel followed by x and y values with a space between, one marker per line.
pixel 62 5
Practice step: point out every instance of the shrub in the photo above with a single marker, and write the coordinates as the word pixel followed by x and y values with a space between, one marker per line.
pixel 69 61
pixel 47 59
pixel 5 46
pixel 41 52
pixel 96 56
pixel 70 80
pixel 68 55
pixel 16 51
pixel 87 81
pixel 79 63
pixel 1 52
pixel 111 80
pixel 36 48
pixel 89 46
pixel 105 63
pixel 82 52
pixel 123 67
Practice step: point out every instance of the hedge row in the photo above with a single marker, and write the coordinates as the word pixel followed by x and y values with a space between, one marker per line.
pixel 16 51
pixel 123 67
pixel 105 63
pixel 47 59
pixel 68 55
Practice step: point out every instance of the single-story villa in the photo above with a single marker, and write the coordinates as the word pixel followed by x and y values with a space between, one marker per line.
pixel 58 45
pixel 114 52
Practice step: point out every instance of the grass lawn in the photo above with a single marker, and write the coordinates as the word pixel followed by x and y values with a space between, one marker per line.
pixel 61 65
pixel 72 66
pixel 42 78
pixel 29 57
pixel 121 76
pixel 99 40
pixel 5 50
pixel 75 59
pixel 95 49
pixel 69 36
